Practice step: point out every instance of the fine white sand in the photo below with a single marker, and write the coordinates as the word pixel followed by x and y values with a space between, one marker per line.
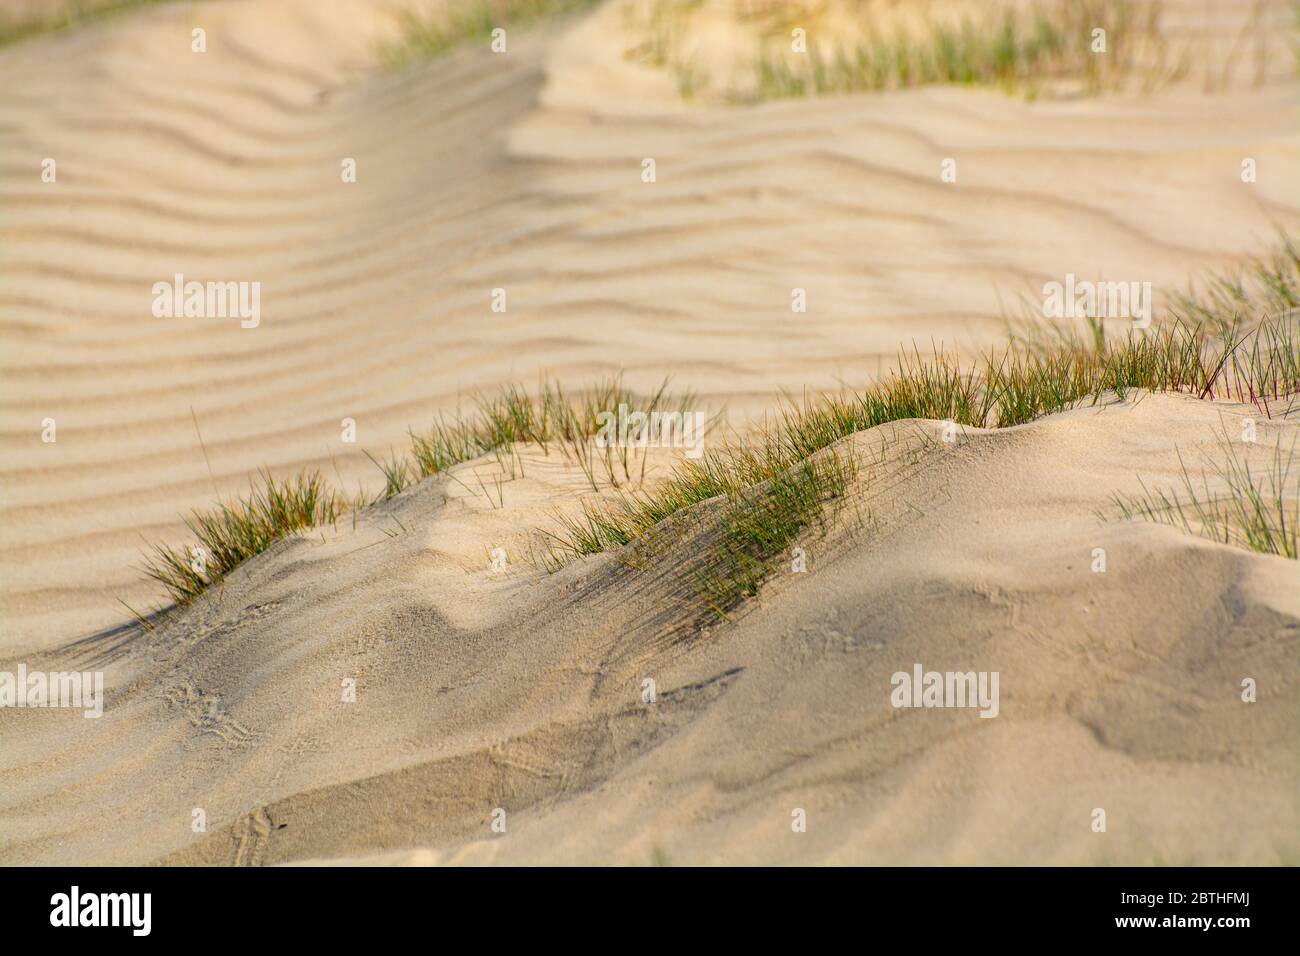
pixel 522 690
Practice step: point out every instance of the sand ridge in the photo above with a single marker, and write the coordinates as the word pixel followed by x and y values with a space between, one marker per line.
pixel 522 691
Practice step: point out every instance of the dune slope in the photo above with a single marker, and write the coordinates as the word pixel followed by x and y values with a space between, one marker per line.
pixel 522 691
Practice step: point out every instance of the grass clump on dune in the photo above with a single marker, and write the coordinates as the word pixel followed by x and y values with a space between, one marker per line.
pixel 77 13
pixel 1269 285
pixel 759 524
pixel 1007 52
pixel 427 36
pixel 771 487
pixel 546 418
pixel 231 533
pixel 1014 49
pixel 851 49
pixel 1258 510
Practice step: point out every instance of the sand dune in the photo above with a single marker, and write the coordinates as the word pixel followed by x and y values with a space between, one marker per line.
pixel 522 690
